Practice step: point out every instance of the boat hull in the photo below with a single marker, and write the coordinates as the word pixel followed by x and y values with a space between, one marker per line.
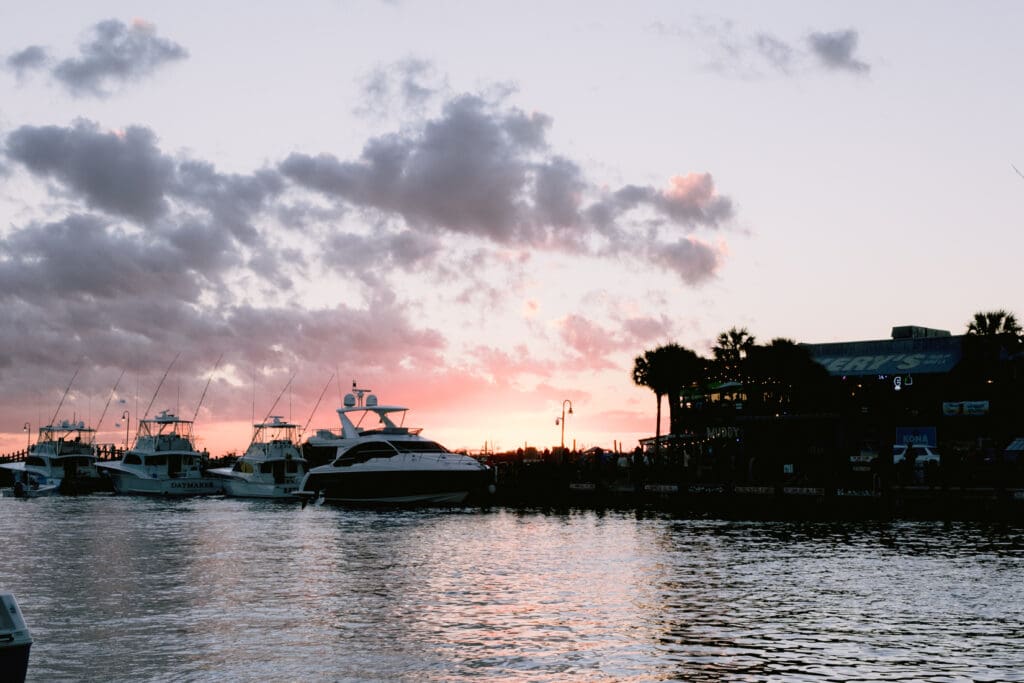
pixel 406 487
pixel 126 483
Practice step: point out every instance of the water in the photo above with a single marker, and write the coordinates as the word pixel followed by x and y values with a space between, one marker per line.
pixel 132 589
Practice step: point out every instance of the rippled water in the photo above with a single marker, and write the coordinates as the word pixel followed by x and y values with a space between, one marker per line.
pixel 220 589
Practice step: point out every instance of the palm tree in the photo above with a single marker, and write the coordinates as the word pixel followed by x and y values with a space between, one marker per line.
pixel 991 323
pixel 666 370
pixel 730 351
pixel 650 370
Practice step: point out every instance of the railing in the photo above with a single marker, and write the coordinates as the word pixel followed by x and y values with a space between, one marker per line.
pixel 104 451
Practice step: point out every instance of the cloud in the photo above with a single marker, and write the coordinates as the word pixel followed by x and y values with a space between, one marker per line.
pixel 406 86
pixel 835 50
pixel 114 55
pixel 31 58
pixel 486 171
pixel 122 173
pixel 728 50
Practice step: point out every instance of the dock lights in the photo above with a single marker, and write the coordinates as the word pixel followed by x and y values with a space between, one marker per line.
pixel 28 436
pixel 561 420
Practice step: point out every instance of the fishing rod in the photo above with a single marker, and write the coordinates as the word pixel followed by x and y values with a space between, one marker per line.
pixel 210 379
pixel 265 419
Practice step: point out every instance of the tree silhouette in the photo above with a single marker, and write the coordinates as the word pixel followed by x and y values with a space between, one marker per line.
pixel 991 323
pixel 666 370
pixel 730 350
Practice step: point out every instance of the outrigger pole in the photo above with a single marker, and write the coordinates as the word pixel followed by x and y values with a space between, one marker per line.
pixel 316 406
pixel 109 399
pixel 53 420
pixel 146 414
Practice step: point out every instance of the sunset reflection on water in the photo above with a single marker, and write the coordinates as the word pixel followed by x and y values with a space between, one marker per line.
pixel 233 590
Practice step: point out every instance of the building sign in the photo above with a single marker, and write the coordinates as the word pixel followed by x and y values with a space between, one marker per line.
pixel 954 408
pixel 889 364
pixel 921 436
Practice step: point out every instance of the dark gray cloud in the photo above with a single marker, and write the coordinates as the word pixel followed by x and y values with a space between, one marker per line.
pixel 122 173
pixel 31 58
pixel 835 50
pixel 116 54
pixel 483 170
pixel 193 206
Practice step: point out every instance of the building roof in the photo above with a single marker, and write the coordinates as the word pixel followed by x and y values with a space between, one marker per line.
pixel 908 355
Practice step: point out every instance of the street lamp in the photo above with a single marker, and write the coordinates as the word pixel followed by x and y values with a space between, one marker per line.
pixel 126 416
pixel 561 420
pixel 28 436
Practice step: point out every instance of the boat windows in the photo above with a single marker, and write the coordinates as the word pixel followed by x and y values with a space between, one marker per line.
pixel 365 451
pixel 243 467
pixel 419 446
pixel 156 460
pixel 291 467
pixel 35 460
pixel 132 459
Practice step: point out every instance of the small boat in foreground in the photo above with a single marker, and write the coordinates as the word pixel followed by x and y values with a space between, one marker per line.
pixel 272 466
pixel 63 460
pixel 163 461
pixel 387 463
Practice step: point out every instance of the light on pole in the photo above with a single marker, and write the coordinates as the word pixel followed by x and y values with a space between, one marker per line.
pixel 561 420
pixel 126 416
pixel 28 436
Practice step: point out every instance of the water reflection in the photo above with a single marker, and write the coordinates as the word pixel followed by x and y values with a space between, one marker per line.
pixel 232 590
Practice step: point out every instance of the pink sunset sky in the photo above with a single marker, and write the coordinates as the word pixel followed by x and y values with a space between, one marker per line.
pixel 482 209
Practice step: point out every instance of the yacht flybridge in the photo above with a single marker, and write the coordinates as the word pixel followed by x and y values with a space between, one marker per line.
pixel 63 460
pixel 163 461
pixel 386 463
pixel 272 466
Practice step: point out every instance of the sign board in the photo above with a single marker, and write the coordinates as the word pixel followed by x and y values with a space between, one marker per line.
pixel 954 408
pixel 921 436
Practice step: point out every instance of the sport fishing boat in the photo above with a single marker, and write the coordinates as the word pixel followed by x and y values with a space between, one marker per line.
pixel 63 460
pixel 386 463
pixel 163 461
pixel 272 466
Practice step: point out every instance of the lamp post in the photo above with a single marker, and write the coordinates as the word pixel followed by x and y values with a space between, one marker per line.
pixel 28 436
pixel 561 420
pixel 126 416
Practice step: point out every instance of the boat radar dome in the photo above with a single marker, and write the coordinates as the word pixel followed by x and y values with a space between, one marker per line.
pixel 371 400
pixel 350 400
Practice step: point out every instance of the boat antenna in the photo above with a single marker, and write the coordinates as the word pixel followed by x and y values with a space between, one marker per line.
pixel 208 380
pixel 109 399
pixel 316 406
pixel 155 393
pixel 53 420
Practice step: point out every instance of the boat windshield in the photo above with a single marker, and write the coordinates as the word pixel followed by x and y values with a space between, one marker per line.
pixel 418 447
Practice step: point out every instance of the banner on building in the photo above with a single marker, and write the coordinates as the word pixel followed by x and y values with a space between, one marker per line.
pixel 954 408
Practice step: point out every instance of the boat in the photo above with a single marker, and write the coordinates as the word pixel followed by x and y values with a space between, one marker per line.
pixel 272 466
pixel 386 463
pixel 163 461
pixel 63 460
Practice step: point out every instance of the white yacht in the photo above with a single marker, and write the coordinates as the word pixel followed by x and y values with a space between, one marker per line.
pixel 385 463
pixel 63 460
pixel 272 466
pixel 163 461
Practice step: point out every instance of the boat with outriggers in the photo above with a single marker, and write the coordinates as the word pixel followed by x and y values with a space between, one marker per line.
pixel 272 466
pixel 386 463
pixel 163 461
pixel 61 461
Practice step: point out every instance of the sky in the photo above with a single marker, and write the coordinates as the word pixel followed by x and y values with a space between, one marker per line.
pixel 482 210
